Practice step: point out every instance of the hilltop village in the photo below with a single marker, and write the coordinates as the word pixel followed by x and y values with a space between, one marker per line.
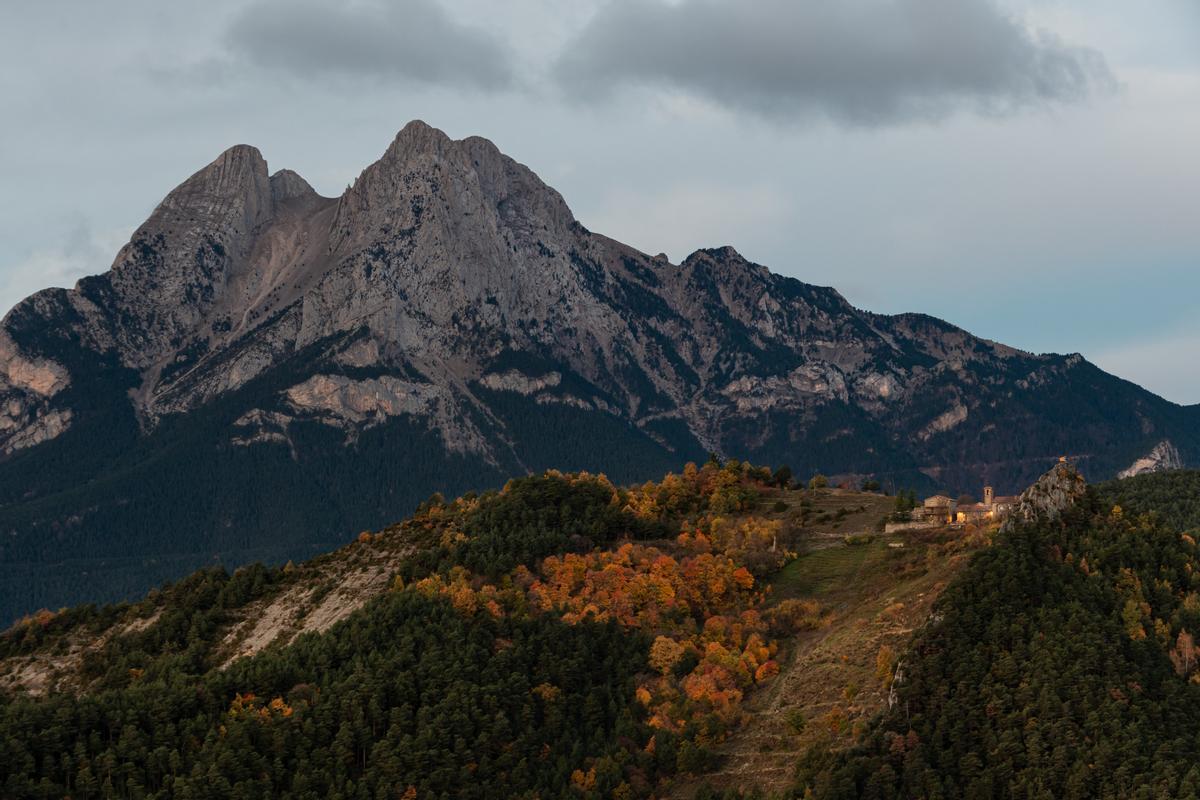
pixel 939 511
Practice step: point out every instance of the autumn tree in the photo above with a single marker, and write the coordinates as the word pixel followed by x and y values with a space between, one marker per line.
pixel 665 653
pixel 885 661
pixel 1183 655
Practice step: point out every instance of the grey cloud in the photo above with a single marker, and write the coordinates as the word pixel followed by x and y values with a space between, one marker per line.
pixel 859 62
pixel 414 40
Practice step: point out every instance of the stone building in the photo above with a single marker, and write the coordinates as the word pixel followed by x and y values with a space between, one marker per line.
pixel 938 508
pixel 993 508
pixel 934 512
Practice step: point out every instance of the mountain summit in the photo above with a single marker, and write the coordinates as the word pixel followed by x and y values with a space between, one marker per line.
pixel 261 359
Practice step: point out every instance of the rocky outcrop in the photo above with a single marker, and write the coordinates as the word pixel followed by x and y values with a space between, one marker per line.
pixel 516 381
pixel 22 426
pixel 1046 500
pixel 356 405
pixel 1165 456
pixel 27 386
pixel 945 421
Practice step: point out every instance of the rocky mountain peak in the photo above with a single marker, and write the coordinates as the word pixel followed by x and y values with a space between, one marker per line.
pixel 237 158
pixel 722 265
pixel 453 192
pixel 717 255
pixel 235 183
pixel 171 281
pixel 287 185
pixel 417 137
pixel 232 167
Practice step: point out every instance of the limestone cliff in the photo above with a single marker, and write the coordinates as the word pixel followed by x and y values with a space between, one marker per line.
pixel 1165 456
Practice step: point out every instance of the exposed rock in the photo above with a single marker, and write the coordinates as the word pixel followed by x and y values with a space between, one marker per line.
pixel 55 670
pixel 28 427
pixel 40 376
pixel 363 353
pixel 262 427
pixel 897 682
pixel 945 421
pixel 1046 500
pixel 361 401
pixel 330 590
pixel 326 591
pixel 515 381
pixel 26 387
pixel 1165 456
pixel 363 404
pixel 875 385
pixel 811 381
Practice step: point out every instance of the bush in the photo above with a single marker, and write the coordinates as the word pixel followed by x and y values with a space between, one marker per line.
pixel 783 477
pixel 791 616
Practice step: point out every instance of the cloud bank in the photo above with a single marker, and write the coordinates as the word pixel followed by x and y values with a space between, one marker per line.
pixel 414 40
pixel 858 62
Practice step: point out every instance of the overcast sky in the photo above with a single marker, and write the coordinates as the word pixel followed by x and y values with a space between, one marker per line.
pixel 1027 169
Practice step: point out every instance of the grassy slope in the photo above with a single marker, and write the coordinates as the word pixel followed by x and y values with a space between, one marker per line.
pixel 873 594
pixel 1066 609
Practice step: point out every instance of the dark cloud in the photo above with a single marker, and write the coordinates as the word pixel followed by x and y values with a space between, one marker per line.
pixel 409 39
pixel 860 62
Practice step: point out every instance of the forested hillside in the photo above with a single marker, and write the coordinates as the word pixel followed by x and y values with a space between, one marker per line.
pixel 559 638
pixel 1063 665
pixel 1173 496
pixel 565 637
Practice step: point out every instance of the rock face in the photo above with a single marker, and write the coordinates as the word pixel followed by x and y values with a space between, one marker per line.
pixel 1165 456
pixel 26 389
pixel 1046 500
pixel 445 323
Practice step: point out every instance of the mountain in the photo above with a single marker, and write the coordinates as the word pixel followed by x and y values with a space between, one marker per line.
pixel 265 371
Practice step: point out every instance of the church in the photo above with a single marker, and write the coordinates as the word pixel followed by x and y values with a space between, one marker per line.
pixel 942 510
pixel 992 509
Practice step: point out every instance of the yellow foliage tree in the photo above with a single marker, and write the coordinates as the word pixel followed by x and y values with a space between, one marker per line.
pixel 665 653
